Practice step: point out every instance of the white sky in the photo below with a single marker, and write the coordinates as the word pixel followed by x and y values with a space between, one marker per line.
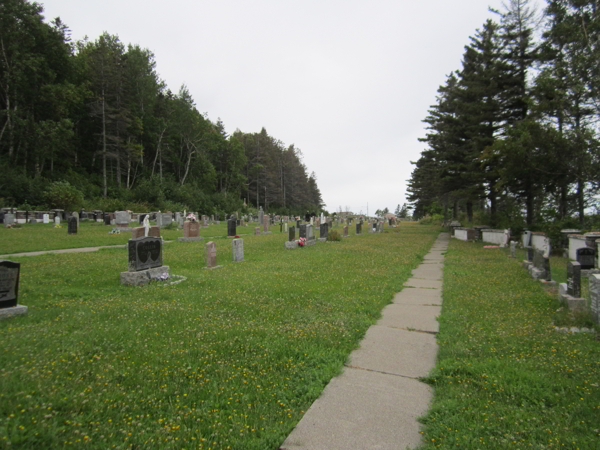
pixel 348 82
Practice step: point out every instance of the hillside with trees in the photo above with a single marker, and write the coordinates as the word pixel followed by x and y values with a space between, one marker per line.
pixel 513 139
pixel 95 118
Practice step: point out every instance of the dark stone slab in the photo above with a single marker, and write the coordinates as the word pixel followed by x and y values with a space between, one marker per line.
pixel 574 279
pixel 586 257
pixel 530 254
pixel 291 234
pixel 9 283
pixel 106 219
pixel 144 253
pixel 303 231
pixel 232 226
pixel 72 225
pixel 324 231
pixel 543 264
pixel 358 228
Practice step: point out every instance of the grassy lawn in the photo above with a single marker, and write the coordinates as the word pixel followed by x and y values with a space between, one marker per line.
pixel 505 378
pixel 228 359
pixel 39 236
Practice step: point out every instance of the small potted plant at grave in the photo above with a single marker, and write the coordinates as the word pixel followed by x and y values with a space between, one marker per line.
pixel 301 242
pixel 192 217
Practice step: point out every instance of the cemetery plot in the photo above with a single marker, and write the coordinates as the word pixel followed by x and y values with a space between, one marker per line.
pixel 268 333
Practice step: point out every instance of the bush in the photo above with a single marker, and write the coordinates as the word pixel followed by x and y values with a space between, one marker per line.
pixel 334 236
pixel 61 195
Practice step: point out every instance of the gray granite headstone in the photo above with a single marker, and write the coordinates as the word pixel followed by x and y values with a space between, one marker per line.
pixel 324 231
pixel 144 253
pixel 542 263
pixel 303 231
pixel 574 279
pixel 9 219
pixel 9 283
pixel 238 250
pixel 594 283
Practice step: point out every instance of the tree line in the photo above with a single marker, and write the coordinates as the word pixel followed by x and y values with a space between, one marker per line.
pixel 94 117
pixel 513 138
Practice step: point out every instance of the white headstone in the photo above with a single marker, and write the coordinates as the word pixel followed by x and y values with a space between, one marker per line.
pixel 57 220
pixel 146 224
pixel 46 218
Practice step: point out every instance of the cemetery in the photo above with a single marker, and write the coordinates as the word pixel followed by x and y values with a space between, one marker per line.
pixel 252 314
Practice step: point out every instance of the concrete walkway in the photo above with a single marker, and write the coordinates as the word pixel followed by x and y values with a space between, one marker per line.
pixel 375 402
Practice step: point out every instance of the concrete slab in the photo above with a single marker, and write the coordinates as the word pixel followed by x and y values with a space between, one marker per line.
pixel 432 272
pixel 363 410
pixel 418 296
pixel 397 352
pixel 417 317
pixel 424 283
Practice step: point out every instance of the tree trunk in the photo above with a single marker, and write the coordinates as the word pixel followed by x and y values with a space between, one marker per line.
pixel 470 211
pixel 104 179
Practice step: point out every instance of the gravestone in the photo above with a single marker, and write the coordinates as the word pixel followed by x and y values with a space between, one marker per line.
pixel 46 218
pixel 594 281
pixel 122 218
pixel 513 249
pixel 266 224
pixel 309 232
pixel 210 255
pixel 324 231
pixel 541 266
pixel 586 257
pixel 144 253
pixel 231 226
pixel 9 289
pixel 298 223
pixel 285 227
pixel 358 228
pixel 303 231
pixel 346 231
pixel 261 216
pixel 574 279
pixel 238 250
pixel 191 232
pixel 292 234
pixel 257 231
pixel 1 216
pixel 72 225
pixel 106 219
pixel 145 261
pixel 76 216
pixel 56 220
pixel 9 220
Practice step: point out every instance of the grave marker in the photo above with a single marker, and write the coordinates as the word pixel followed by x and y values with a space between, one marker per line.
pixel 238 250
pixel 231 226
pixel 72 225
pixel 9 289
pixel 9 220
pixel 586 257
pixel 574 279
pixel 210 255
pixel 46 218
pixel 324 232
pixel 346 231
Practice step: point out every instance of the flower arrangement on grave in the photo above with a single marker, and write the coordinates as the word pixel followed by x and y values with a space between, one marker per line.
pixel 301 242
pixel 192 217
pixel 114 231
pixel 57 226
pixel 237 236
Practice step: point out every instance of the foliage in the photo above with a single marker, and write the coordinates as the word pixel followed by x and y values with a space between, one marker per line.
pixel 96 114
pixel 61 195
pixel 334 236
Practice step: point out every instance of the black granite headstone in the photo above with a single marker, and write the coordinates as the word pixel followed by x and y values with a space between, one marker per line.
pixel 530 254
pixel 144 253
pixel 9 283
pixel 585 257
pixel 2 217
pixel 231 226
pixel 303 231
pixel 324 230
pixel 72 225
pixel 574 279
pixel 106 219
pixel 291 233
pixel 298 223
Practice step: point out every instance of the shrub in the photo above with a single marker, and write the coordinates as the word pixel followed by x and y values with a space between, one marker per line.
pixel 334 236
pixel 61 195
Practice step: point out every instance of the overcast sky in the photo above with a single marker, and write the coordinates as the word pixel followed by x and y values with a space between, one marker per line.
pixel 347 82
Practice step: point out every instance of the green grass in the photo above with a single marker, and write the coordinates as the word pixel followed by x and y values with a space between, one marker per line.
pixel 39 237
pixel 230 358
pixel 505 379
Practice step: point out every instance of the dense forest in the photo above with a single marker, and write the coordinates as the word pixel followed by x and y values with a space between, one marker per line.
pixel 513 139
pixel 91 124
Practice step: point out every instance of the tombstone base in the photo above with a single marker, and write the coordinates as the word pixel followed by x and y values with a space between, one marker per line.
pixel 573 303
pixel 527 264
pixel 190 239
pixel 536 274
pixel 588 272
pixel 322 239
pixel 290 245
pixel 18 310
pixel 143 277
pixel 214 267
pixel 310 242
